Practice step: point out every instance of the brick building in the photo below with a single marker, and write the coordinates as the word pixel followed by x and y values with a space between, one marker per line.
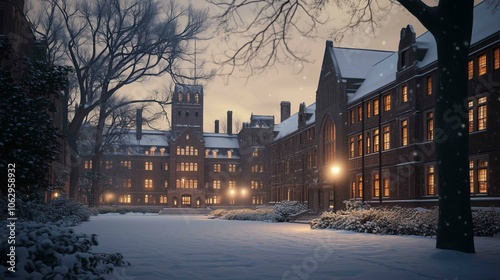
pixel 374 119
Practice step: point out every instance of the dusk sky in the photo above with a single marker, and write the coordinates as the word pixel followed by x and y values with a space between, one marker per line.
pixel 262 94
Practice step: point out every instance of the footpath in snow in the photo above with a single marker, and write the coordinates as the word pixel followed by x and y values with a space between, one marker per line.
pixel 194 247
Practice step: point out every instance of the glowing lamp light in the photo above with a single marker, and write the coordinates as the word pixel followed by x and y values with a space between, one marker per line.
pixel 56 194
pixel 335 170
pixel 243 192
pixel 232 192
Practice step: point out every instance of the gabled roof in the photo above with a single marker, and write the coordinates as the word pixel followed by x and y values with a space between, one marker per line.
pixel 486 23
pixel 355 63
pixel 291 124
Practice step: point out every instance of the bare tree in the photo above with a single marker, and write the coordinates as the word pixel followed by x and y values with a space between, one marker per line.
pixel 270 26
pixel 114 43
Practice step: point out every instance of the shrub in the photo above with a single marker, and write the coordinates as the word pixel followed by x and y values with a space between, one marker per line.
pixel 285 209
pixel 281 212
pixel 52 252
pixel 123 209
pixel 61 211
pixel 400 221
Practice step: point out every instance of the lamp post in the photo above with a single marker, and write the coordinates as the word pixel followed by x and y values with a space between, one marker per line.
pixel 335 171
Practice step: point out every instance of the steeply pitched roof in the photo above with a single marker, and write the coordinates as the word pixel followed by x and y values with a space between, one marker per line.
pixel 355 63
pixel 291 124
pixel 486 23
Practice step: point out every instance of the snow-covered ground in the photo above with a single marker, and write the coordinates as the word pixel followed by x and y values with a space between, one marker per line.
pixel 194 247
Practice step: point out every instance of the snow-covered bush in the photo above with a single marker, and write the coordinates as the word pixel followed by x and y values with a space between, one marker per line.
pixel 51 252
pixel 401 221
pixel 285 209
pixel 281 212
pixel 264 214
pixel 59 211
pixel 123 209
pixel 486 222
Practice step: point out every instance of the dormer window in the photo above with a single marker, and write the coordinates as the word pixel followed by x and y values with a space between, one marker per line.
pixel 229 154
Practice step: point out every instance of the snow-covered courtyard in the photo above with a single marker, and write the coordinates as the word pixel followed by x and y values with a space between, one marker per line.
pixel 194 247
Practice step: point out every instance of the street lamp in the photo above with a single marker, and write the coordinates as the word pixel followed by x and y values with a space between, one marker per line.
pixel 335 171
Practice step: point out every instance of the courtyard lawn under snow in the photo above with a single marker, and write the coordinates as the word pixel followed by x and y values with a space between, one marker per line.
pixel 194 247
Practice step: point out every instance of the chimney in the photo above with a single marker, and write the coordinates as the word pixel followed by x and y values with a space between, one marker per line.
pixel 285 110
pixel 216 130
pixel 138 125
pixel 229 122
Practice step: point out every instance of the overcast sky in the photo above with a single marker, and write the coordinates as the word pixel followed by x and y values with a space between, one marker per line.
pixel 262 94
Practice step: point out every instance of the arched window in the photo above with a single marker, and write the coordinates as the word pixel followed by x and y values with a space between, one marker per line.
pixel 197 98
pixel 328 141
pixel 188 97
pixel 179 96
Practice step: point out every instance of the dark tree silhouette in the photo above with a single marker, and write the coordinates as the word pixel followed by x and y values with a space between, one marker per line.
pixel 270 25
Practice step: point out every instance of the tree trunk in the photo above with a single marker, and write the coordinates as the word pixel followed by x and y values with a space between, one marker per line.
pixel 455 228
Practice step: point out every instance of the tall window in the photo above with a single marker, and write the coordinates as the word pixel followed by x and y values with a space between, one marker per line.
pixel 429 85
pixel 385 182
pixel 127 183
pixel 108 164
pixel 387 102
pixel 482 64
pixel 496 58
pixel 125 198
pixel 232 168
pixel 353 189
pixel 216 167
pixel 360 145
pixel 351 146
pixel 481 113
pixel 88 164
pixel 351 116
pixel 386 138
pixel 430 126
pixel 482 176
pixel 470 69
pixel 404 93
pixel 430 180
pixel 148 165
pixel 179 96
pixel 328 142
pixel 376 141
pixel 163 199
pixel 368 144
pixel 216 184
pixel 471 115
pixel 255 153
pixel 178 150
pixel 148 198
pixel 375 107
pixel 471 176
pixel 376 185
pixel 360 113
pixel 404 133
pixel 232 184
pixel 148 183
pixel 478 173
pixel 368 109
pixel 126 164
pixel 360 186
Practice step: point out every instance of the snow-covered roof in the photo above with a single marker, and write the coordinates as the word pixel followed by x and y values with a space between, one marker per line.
pixel 355 63
pixel 486 23
pixel 261 121
pixel 151 138
pixel 221 140
pixel 291 124
pixel 380 75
